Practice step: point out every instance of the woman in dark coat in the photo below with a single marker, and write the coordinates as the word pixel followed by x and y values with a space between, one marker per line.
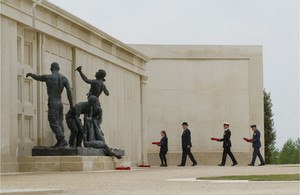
pixel 163 149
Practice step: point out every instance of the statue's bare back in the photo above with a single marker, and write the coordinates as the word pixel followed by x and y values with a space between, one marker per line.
pixel 55 85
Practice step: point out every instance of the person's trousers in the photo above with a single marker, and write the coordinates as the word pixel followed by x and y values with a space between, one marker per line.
pixel 55 118
pixel 185 152
pixel 76 133
pixel 225 152
pixel 256 153
pixel 163 159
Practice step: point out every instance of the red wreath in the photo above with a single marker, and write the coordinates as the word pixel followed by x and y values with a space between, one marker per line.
pixel 247 140
pixel 157 143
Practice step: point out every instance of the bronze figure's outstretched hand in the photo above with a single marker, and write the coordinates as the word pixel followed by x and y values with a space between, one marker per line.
pixel 28 75
pixel 78 68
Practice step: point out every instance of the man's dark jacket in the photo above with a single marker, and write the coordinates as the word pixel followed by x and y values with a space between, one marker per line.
pixel 256 139
pixel 226 139
pixel 186 138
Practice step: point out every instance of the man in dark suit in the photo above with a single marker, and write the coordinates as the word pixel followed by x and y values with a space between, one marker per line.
pixel 256 144
pixel 186 145
pixel 227 145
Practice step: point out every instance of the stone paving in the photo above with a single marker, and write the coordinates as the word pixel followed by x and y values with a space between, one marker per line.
pixel 154 180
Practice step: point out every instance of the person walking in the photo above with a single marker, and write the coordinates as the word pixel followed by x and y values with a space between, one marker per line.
pixel 186 145
pixel 163 149
pixel 256 144
pixel 226 146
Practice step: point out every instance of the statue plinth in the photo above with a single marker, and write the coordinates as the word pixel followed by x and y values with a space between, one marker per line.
pixel 71 151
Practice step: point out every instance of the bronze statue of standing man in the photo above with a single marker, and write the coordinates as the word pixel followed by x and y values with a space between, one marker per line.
pixel 55 82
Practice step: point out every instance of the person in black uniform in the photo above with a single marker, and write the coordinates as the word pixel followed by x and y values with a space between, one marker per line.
pixel 256 144
pixel 186 145
pixel 227 145
pixel 163 149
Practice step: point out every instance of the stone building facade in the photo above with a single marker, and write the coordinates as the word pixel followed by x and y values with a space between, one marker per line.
pixel 35 34
pixel 204 85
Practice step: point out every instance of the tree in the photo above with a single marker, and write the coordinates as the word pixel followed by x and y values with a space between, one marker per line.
pixel 290 152
pixel 275 156
pixel 270 133
pixel 297 154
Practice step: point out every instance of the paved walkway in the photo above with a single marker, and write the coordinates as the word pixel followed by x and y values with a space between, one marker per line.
pixel 154 180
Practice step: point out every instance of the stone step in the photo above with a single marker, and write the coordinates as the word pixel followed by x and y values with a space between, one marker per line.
pixel 69 163
pixel 29 191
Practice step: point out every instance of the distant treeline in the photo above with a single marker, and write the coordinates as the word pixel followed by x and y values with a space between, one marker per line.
pixel 289 154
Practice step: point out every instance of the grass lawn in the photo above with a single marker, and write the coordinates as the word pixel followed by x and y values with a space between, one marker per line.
pixel 285 177
pixel 291 166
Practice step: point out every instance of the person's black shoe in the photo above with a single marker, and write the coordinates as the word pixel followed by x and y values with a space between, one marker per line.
pixel 118 156
pixel 56 145
pixel 262 164
pixel 63 144
pixel 194 164
pixel 165 165
pixel 251 164
pixel 234 164
pixel 162 165
pixel 221 165
pixel 180 165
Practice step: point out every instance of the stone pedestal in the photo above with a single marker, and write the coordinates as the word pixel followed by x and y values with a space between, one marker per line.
pixel 69 163
pixel 46 159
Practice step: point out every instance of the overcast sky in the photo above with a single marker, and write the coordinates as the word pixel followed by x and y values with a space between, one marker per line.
pixel 271 23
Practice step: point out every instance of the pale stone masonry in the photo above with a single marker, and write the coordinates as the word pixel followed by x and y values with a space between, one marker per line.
pixel 35 34
pixel 203 85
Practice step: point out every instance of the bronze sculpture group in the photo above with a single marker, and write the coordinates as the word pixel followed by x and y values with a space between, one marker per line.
pixel 88 132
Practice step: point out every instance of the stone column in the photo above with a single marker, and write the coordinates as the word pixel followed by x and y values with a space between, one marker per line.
pixel 1 90
pixel 40 48
pixel 0 82
pixel 9 125
pixel 143 121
